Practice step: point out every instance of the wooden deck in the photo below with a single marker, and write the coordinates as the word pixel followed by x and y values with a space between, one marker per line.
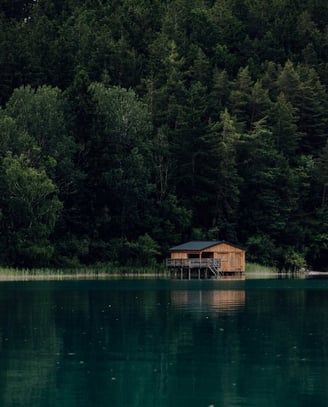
pixel 195 268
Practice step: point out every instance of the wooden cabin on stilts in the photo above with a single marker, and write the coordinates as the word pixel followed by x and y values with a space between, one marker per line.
pixel 206 260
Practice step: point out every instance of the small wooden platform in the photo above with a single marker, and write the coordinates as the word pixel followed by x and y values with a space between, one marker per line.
pixel 195 268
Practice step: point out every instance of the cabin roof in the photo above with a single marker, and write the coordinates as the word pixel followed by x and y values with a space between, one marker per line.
pixel 196 245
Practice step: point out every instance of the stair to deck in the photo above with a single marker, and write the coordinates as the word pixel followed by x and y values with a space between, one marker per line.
pixel 215 268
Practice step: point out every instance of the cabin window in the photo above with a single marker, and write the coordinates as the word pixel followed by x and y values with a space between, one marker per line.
pixel 207 255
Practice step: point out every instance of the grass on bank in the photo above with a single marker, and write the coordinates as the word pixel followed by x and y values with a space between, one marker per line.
pixel 109 270
pixel 259 268
pixel 84 272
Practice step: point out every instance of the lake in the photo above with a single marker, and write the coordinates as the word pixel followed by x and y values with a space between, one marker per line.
pixel 164 343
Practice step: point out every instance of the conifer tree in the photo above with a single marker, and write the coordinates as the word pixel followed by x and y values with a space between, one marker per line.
pixel 239 100
pixel 267 189
pixel 218 179
pixel 283 118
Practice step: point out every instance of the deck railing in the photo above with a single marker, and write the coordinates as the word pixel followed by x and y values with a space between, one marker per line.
pixel 194 263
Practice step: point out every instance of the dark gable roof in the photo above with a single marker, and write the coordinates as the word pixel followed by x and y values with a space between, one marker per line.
pixel 196 245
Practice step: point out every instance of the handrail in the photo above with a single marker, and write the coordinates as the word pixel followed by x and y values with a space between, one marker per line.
pixel 194 263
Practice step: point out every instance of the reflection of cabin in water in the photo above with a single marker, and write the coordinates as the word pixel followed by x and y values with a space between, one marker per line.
pixel 214 300
pixel 206 259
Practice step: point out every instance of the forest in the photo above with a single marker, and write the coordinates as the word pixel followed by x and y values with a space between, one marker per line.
pixel 129 126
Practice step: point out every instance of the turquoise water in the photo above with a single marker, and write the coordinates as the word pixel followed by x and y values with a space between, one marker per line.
pixel 160 343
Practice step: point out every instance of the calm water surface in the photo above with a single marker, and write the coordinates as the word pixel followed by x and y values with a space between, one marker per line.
pixel 164 343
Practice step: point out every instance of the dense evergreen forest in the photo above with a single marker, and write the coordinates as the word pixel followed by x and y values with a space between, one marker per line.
pixel 128 126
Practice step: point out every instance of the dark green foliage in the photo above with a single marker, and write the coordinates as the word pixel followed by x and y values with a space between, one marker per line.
pixel 218 179
pixel 283 118
pixel 118 154
pixel 129 126
pixel 29 215
pixel 267 192
pixel 16 9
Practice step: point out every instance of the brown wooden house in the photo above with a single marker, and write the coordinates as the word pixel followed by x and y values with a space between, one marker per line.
pixel 206 259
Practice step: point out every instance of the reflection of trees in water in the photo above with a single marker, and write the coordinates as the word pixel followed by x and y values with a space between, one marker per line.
pixel 123 339
pixel 30 346
pixel 135 347
pixel 285 339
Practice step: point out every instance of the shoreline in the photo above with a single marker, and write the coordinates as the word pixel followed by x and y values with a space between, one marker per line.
pixel 48 276
pixel 78 276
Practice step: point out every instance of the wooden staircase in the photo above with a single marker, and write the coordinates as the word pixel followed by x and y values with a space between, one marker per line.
pixel 215 268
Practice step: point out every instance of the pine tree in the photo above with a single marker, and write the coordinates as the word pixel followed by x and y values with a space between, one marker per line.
pixel 267 192
pixel 239 100
pixel 283 119
pixel 312 107
pixel 218 179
